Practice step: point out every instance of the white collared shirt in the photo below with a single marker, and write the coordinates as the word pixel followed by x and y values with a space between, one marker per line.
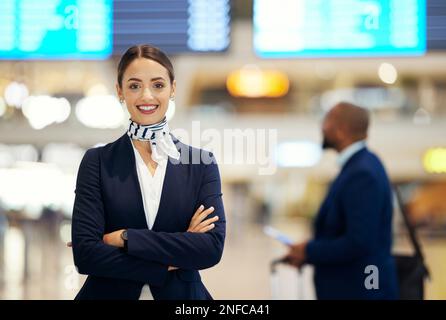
pixel 151 189
pixel 348 152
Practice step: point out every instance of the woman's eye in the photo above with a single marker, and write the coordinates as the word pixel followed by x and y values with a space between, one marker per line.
pixel 159 85
pixel 134 86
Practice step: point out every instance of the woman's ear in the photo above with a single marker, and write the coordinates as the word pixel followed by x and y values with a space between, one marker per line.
pixel 119 92
pixel 174 86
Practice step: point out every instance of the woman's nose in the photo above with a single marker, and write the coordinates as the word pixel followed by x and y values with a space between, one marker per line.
pixel 147 93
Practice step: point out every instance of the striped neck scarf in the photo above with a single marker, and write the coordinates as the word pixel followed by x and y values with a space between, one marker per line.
pixel 158 134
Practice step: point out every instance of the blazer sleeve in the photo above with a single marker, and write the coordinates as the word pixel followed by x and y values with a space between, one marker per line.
pixel 361 199
pixel 91 255
pixel 187 250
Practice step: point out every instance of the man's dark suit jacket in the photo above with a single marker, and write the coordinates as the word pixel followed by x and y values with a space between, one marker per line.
pixel 108 198
pixel 353 230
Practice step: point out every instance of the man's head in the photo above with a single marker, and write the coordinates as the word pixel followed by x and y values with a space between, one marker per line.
pixel 343 125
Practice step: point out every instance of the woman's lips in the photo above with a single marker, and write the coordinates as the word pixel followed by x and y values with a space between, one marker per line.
pixel 147 108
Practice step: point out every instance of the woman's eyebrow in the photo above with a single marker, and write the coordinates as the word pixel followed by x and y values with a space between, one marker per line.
pixel 153 79
pixel 157 78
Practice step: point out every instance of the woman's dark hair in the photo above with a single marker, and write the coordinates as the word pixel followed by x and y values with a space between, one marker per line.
pixel 144 51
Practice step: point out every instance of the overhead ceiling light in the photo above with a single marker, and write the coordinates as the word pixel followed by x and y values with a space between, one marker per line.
pixel 10 154
pixel 66 156
pixel 101 111
pixel 298 154
pixel 22 188
pixel 252 82
pixel 42 111
pixel 15 93
pixel 387 73
pixel 434 160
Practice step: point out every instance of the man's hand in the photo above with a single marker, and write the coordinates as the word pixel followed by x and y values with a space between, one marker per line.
pixel 296 256
pixel 114 239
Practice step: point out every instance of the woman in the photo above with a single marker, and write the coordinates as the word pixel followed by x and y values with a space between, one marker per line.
pixel 147 215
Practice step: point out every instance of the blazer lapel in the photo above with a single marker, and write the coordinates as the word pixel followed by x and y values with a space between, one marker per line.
pixel 125 164
pixel 174 170
pixel 127 159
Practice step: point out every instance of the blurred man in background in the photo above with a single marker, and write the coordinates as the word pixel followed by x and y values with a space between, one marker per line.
pixel 351 248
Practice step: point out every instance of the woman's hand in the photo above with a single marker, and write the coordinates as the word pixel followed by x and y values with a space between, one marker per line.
pixel 114 239
pixel 198 224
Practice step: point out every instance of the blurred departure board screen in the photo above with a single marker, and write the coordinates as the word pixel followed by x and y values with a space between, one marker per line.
pixel 330 28
pixel 55 29
pixel 175 26
pixel 436 25
pixel 96 29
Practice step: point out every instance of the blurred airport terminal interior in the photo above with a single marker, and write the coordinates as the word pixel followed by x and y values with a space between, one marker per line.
pixel 254 79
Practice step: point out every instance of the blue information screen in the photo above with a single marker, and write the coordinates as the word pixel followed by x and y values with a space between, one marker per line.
pixel 56 29
pixel 330 28
pixel 175 26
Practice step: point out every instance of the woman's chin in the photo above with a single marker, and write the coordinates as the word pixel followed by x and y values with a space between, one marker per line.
pixel 145 119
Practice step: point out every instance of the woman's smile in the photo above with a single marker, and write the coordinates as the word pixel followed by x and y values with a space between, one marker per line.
pixel 147 108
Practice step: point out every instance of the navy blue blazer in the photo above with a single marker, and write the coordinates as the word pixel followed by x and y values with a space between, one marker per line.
pixel 353 229
pixel 108 198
